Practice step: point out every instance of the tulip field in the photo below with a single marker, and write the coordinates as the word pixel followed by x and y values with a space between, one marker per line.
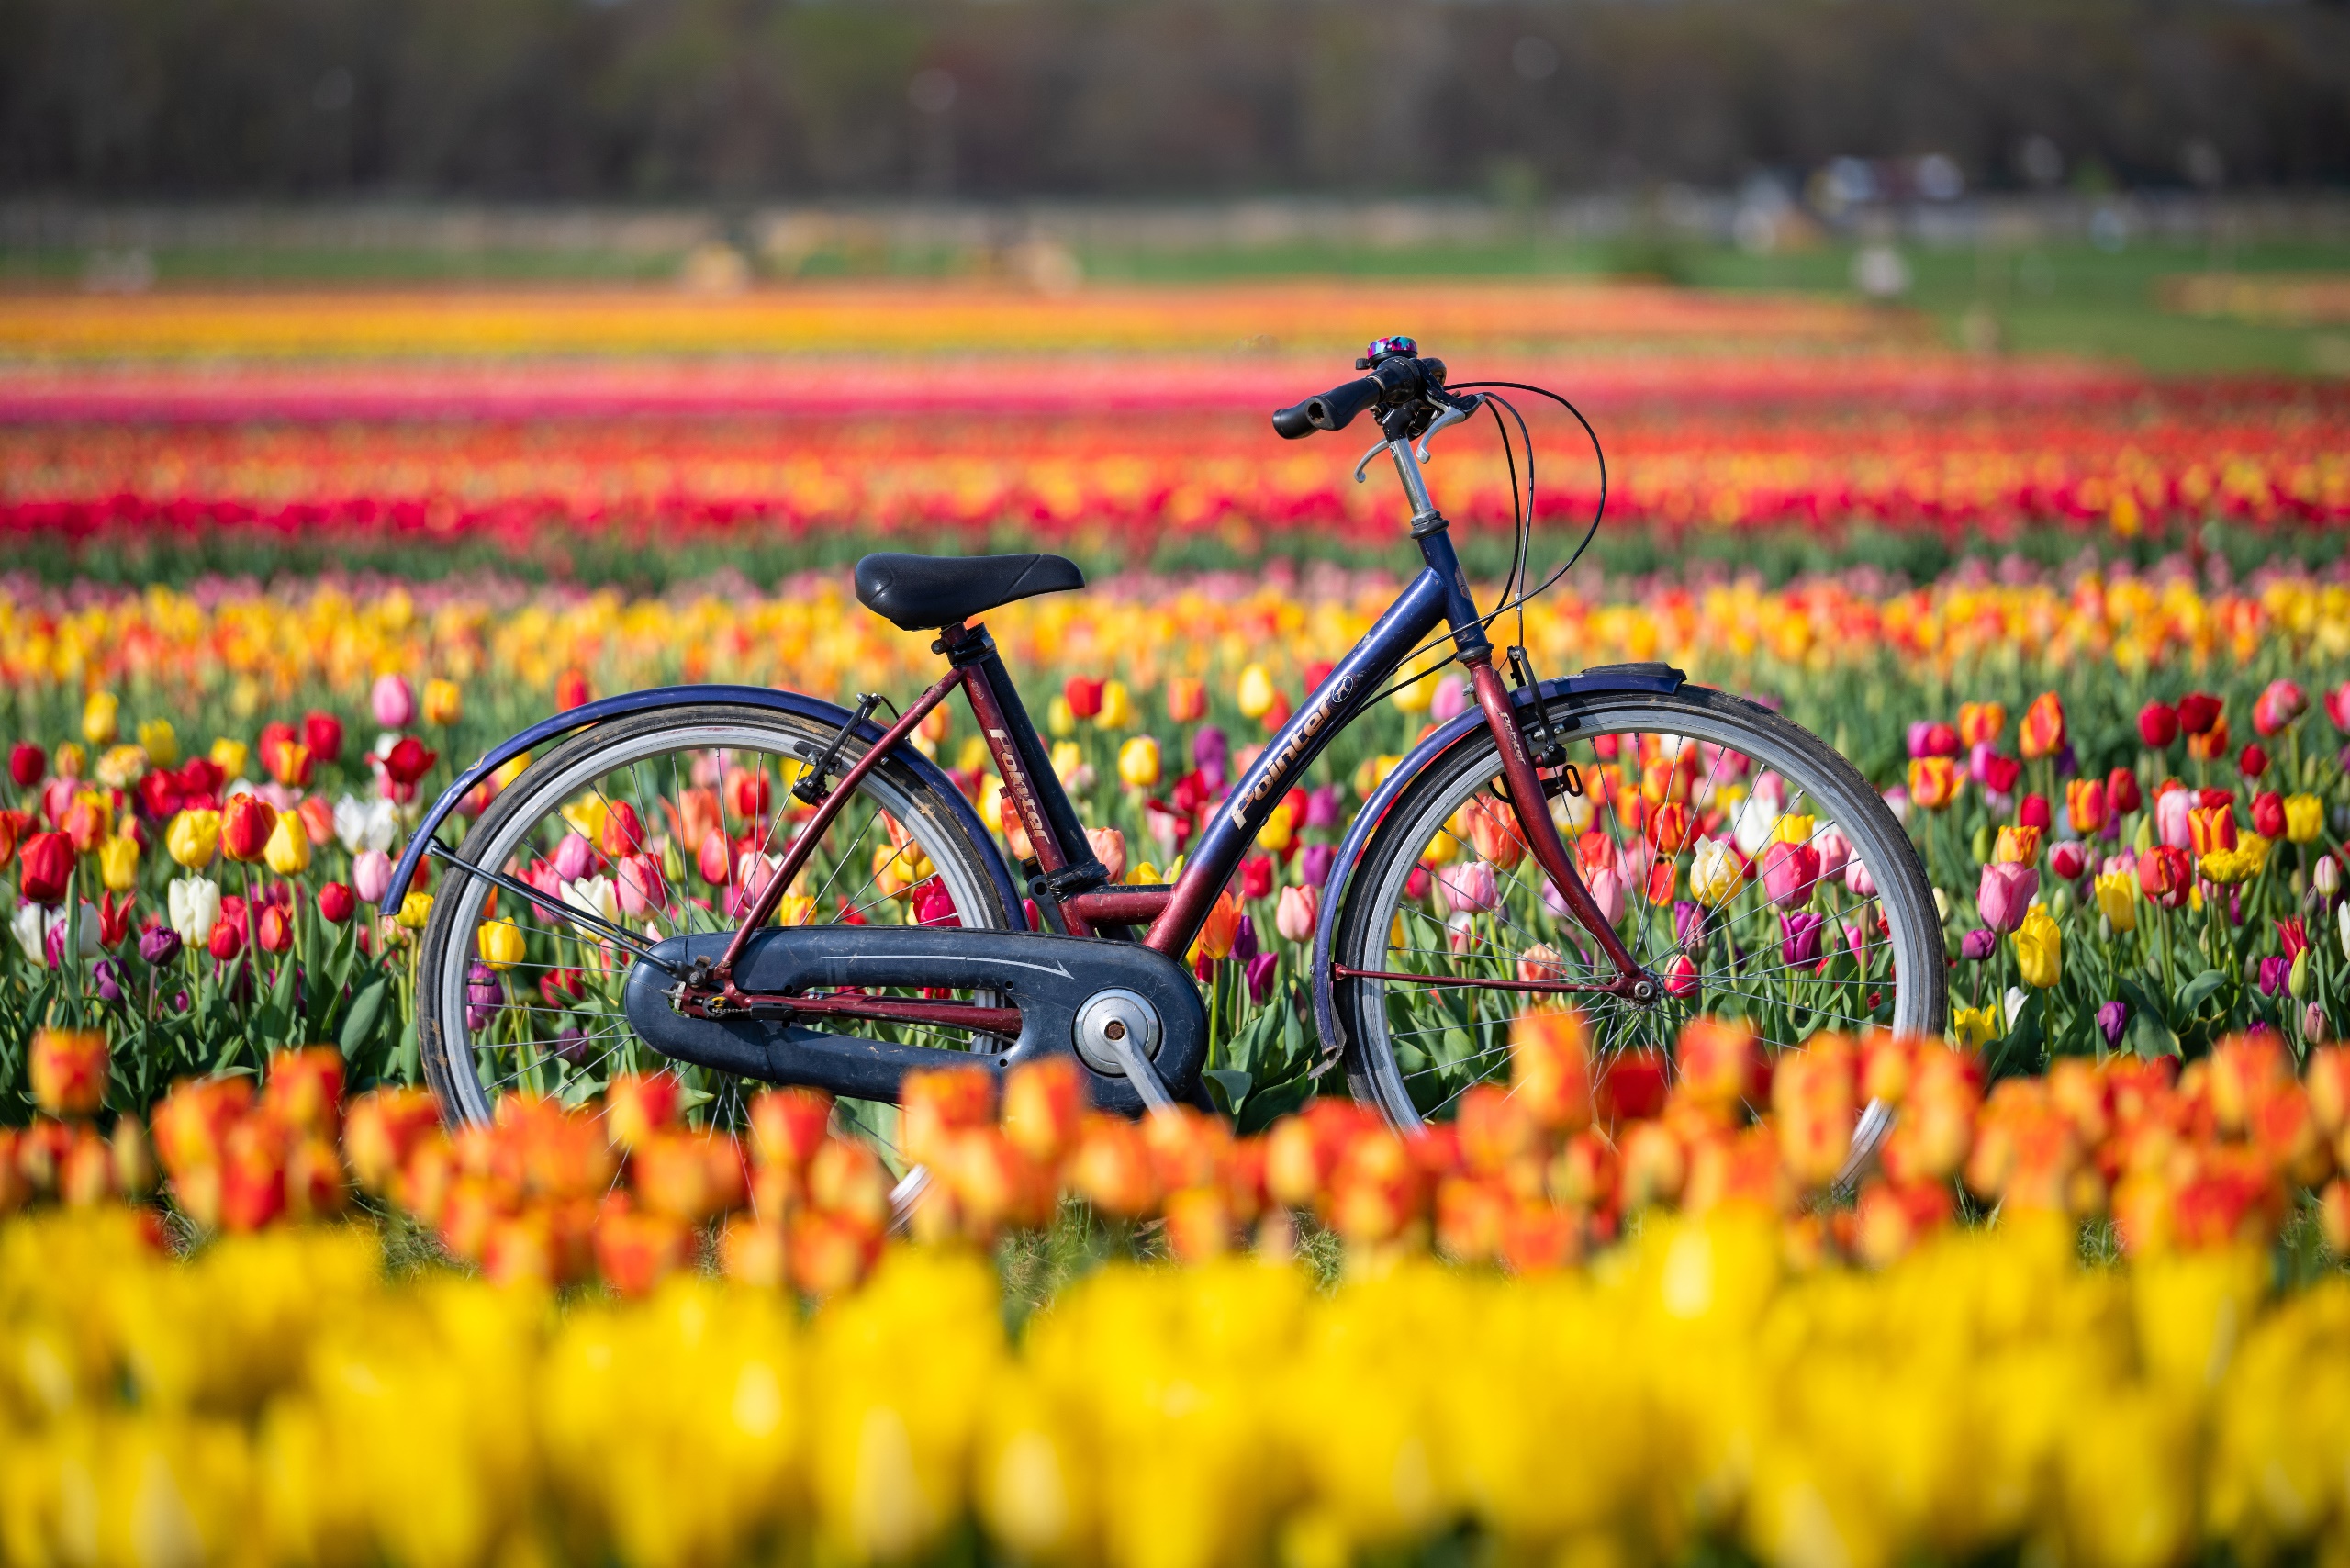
pixel 284 566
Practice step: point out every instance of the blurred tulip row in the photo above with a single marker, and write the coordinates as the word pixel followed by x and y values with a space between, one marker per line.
pixel 1719 1379
pixel 1995 463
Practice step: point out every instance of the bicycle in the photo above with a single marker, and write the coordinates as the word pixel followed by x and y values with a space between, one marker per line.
pixel 1535 846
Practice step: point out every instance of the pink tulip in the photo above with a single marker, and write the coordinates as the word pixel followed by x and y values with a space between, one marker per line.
pixel 1834 850
pixel 1789 870
pixel 1608 892
pixel 1295 916
pixel 2068 859
pixel 1857 880
pixel 2006 895
pixel 393 703
pixel 573 858
pixel 636 882
pixel 1470 889
pixel 371 874
pixel 1451 699
pixel 2171 809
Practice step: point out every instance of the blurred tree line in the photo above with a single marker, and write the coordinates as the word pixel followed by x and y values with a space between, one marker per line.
pixel 726 98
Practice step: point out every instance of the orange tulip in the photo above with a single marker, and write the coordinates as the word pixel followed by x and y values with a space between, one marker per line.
pixel 2042 731
pixel 1933 782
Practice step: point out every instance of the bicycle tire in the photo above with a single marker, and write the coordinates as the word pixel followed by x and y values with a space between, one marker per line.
pixel 450 1054
pixel 1408 1091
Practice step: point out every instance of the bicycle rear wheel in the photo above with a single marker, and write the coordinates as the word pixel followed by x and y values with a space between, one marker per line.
pixel 1746 864
pixel 665 822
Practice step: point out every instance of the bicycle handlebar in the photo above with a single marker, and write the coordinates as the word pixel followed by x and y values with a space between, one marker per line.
pixel 1396 379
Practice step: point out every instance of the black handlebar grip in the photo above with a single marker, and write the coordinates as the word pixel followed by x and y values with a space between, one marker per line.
pixel 1334 410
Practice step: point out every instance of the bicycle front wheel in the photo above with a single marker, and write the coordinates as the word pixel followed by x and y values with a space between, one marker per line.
pixel 1745 864
pixel 664 823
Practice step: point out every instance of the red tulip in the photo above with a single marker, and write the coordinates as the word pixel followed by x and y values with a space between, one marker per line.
pixel 571 690
pixel 2198 711
pixel 2033 812
pixel 228 938
pixel 2166 874
pixel 2276 708
pixel 2268 813
pixel 2253 761
pixel 2122 792
pixel 245 825
pixel 322 733
pixel 749 791
pixel 409 760
pixel 2068 859
pixel 47 862
pixel 336 904
pixel 623 831
pixel 1083 694
pixel 2338 706
pixel 276 931
pixel 28 762
pixel 114 920
pixel 1257 877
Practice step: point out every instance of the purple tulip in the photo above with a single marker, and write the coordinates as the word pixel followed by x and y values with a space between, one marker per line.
pixel 1800 937
pixel 109 975
pixel 1259 974
pixel 1314 864
pixel 179 1001
pixel 1244 940
pixel 1979 944
pixel 2113 1018
pixel 483 995
pixel 571 1045
pixel 2275 970
pixel 159 944
pixel 1211 753
pixel 2313 1023
pixel 1322 806
pixel 1688 922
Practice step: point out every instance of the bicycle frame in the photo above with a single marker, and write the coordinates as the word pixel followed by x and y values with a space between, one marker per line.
pixel 1068 883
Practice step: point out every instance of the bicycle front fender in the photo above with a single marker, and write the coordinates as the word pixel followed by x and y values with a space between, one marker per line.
pixel 661 697
pixel 1466 729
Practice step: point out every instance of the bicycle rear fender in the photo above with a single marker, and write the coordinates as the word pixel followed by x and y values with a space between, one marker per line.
pixel 1659 680
pixel 658 698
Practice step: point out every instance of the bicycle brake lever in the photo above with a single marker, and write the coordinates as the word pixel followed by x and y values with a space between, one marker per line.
pixel 1366 460
pixel 1454 413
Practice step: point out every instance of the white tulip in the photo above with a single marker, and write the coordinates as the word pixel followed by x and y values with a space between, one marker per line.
pixel 31 930
pixel 195 907
pixel 364 825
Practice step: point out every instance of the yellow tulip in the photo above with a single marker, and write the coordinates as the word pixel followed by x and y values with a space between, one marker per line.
pixel 1060 719
pixel 2242 864
pixel 973 754
pixel 121 767
pixel 1139 762
pixel 1117 706
pixel 1417 697
pixel 119 863
pixel 161 742
pixel 231 756
pixel 443 704
pixel 194 838
pixel 2116 900
pixel 1976 1026
pixel 288 849
pixel 2304 817
pixel 499 942
pixel 587 816
pixel 101 717
pixel 1278 830
pixel 1714 873
pixel 795 908
pixel 2040 949
pixel 415 910
pixel 1256 692
pixel 1067 761
pixel 1794 829
pixel 71 758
